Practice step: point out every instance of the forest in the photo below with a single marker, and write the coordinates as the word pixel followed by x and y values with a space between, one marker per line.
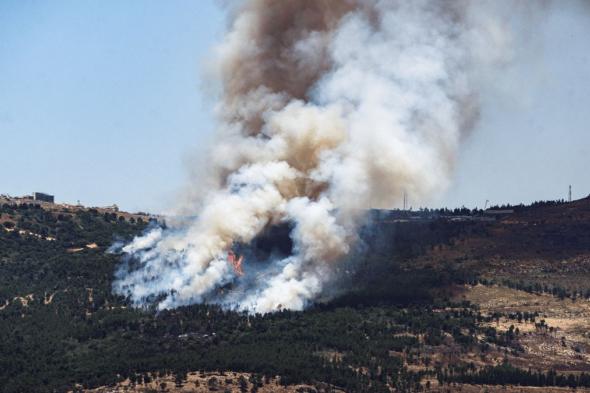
pixel 61 326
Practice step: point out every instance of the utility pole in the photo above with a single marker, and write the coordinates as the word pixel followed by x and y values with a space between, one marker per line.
pixel 405 200
pixel 570 194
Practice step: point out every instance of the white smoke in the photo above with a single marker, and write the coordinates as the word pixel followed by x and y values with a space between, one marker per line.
pixel 327 108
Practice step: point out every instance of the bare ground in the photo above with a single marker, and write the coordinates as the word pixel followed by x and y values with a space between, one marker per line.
pixel 198 382
pixel 562 343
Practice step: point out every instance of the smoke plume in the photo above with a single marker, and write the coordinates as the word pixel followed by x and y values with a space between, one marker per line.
pixel 327 108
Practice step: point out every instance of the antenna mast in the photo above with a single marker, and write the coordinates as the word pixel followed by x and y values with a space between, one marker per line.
pixel 405 200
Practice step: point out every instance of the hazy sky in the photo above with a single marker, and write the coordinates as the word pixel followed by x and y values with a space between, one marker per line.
pixel 101 101
pixel 533 138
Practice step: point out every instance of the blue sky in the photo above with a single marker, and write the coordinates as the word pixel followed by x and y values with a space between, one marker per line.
pixel 533 138
pixel 101 101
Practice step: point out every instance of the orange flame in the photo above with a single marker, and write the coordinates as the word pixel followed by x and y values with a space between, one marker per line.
pixel 236 262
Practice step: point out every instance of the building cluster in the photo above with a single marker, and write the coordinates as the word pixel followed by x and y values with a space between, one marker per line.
pixel 43 197
pixel 36 197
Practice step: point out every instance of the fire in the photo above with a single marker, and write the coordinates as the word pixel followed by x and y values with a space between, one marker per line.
pixel 236 262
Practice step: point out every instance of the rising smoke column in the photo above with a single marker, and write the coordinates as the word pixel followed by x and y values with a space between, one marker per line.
pixel 326 108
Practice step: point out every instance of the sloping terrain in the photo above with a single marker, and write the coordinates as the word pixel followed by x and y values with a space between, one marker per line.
pixel 442 303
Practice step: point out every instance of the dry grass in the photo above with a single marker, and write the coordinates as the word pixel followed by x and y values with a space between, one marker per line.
pixel 198 382
pixel 463 388
pixel 502 299
pixel 564 345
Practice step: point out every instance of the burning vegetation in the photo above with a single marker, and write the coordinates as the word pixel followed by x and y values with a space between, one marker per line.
pixel 236 262
pixel 325 109
pixel 428 307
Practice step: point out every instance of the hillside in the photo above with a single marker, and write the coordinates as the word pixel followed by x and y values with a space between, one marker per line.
pixel 437 304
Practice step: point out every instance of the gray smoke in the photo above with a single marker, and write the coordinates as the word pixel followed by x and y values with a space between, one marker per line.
pixel 326 108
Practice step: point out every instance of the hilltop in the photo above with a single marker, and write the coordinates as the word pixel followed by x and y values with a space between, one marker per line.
pixel 66 208
pixel 432 301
